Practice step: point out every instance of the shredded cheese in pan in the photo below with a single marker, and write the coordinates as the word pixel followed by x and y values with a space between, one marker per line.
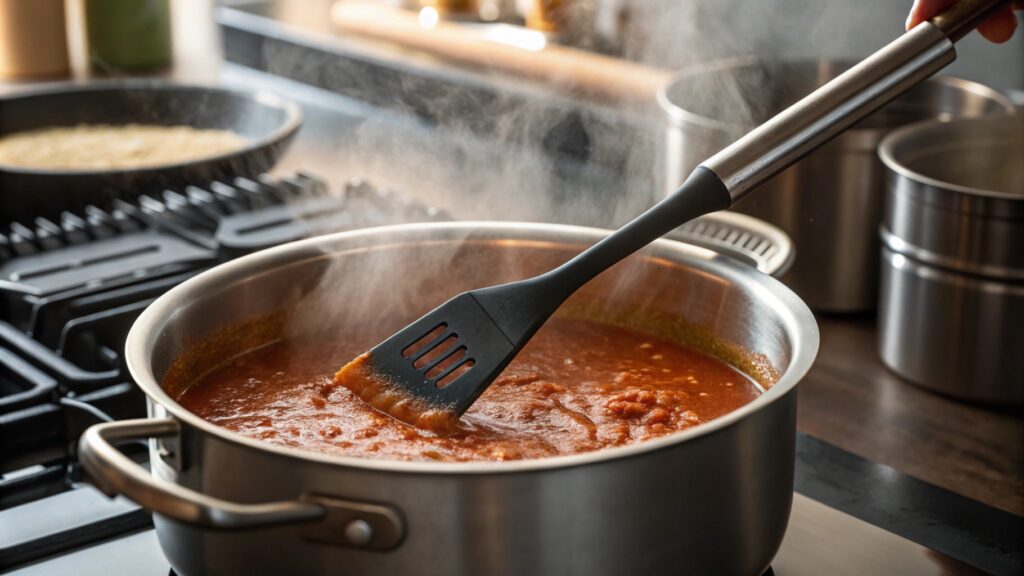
pixel 104 147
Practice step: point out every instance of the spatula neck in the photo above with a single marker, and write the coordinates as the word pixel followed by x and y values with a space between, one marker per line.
pixel 702 193
pixel 520 308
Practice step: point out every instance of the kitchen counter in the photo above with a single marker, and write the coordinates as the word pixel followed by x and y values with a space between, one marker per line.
pixel 853 401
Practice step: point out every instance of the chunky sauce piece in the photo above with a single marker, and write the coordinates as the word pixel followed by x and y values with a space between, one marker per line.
pixel 577 386
pixel 364 381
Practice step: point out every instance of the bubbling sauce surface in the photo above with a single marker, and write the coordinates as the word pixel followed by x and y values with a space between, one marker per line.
pixel 578 386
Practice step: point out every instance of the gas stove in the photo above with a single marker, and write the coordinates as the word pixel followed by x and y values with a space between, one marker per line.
pixel 69 291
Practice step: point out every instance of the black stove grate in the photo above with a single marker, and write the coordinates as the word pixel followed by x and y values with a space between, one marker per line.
pixel 22 384
pixel 70 289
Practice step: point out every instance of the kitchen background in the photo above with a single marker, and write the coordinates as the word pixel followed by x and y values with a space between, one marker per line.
pixel 451 131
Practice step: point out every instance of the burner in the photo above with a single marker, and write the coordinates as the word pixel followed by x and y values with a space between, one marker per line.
pixel 195 214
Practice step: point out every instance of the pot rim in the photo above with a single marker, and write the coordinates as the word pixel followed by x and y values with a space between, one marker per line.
pixel 887 153
pixel 796 316
pixel 680 115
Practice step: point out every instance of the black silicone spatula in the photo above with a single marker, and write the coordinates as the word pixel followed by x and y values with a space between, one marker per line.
pixel 447 358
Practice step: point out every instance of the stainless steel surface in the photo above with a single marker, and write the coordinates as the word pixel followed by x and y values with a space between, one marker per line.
pixel 954 333
pixel 956 195
pixel 829 203
pixel 357 524
pixel 748 239
pixel 952 291
pixel 675 501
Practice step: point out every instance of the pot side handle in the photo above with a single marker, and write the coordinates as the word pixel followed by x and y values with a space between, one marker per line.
pixel 745 238
pixel 114 473
pixel 325 518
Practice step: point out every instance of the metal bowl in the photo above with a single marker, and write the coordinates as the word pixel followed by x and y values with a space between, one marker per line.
pixel 266 121
pixel 952 291
pixel 830 203
pixel 714 498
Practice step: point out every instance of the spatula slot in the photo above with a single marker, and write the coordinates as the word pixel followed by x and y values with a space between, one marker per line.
pixel 425 342
pixel 454 373
pixel 436 352
pixel 442 365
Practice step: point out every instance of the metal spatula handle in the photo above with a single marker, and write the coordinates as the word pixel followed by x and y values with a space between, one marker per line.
pixel 803 127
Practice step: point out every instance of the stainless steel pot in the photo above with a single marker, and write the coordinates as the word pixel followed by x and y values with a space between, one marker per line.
pixel 829 202
pixel 711 499
pixel 952 293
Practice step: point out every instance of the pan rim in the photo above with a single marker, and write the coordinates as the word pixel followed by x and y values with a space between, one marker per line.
pixel 292 122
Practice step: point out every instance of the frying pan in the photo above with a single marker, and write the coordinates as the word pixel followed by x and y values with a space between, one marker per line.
pixel 266 121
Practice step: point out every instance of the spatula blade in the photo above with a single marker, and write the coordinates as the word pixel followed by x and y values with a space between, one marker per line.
pixel 456 338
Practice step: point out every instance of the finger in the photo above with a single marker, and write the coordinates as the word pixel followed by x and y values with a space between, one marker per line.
pixel 1000 27
pixel 925 9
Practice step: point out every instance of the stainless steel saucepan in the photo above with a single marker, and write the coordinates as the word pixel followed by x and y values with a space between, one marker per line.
pixel 713 499
pixel 952 300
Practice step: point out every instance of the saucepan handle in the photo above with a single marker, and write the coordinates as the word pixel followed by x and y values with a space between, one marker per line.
pixel 742 237
pixel 114 473
pixel 326 518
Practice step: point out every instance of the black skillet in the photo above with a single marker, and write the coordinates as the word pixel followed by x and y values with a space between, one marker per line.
pixel 268 123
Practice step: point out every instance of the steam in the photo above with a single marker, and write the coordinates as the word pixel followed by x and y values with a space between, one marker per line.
pixel 497 158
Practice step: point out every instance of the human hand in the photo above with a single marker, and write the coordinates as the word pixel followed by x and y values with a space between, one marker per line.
pixel 999 28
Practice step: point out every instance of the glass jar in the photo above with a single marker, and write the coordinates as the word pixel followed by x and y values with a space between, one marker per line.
pixel 128 35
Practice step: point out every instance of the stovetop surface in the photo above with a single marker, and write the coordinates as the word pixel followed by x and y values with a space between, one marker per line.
pixel 69 289
pixel 820 540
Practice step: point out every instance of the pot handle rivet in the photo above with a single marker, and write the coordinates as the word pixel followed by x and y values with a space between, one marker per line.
pixel 359 532
pixel 358 524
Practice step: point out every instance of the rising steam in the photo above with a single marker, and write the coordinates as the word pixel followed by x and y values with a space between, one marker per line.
pixel 525 165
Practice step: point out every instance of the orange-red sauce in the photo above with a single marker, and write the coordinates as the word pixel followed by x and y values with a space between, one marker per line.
pixel 577 386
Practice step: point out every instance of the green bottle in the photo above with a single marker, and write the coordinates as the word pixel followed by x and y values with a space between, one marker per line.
pixel 129 35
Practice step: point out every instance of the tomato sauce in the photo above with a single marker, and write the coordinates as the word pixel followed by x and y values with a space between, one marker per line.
pixel 578 386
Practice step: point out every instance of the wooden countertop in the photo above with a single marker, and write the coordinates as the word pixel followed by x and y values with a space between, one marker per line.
pixel 852 400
